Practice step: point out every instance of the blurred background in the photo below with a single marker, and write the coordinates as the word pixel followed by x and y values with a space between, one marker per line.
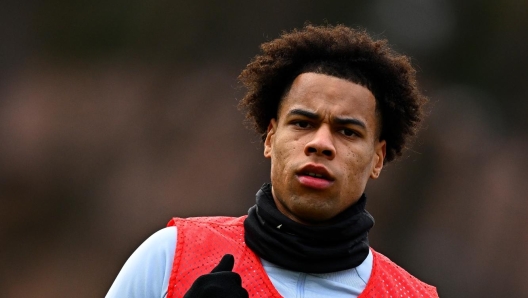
pixel 117 115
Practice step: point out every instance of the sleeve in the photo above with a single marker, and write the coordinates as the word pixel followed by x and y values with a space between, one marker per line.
pixel 146 273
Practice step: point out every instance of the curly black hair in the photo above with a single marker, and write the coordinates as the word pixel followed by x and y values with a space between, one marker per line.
pixel 345 53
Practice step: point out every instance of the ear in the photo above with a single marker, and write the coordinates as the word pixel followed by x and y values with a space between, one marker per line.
pixel 379 157
pixel 272 128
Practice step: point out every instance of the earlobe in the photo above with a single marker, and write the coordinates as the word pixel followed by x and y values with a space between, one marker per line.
pixel 272 127
pixel 379 157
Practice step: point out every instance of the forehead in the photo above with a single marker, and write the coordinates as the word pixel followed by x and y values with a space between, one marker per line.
pixel 329 96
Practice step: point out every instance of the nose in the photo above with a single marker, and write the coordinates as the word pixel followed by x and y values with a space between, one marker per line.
pixel 321 143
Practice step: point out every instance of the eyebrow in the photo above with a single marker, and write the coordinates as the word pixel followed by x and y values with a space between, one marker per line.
pixel 337 120
pixel 305 113
pixel 349 121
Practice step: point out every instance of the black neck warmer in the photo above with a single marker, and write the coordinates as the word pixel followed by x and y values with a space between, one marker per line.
pixel 340 245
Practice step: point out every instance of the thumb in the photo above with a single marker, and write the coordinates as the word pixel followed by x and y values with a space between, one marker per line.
pixel 226 264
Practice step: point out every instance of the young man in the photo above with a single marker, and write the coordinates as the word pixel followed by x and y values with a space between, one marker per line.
pixel 333 106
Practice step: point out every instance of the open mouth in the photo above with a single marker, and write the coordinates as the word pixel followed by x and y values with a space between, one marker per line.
pixel 316 171
pixel 314 176
pixel 311 174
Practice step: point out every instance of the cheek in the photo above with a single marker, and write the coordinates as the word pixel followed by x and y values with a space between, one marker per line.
pixel 284 150
pixel 357 166
pixel 281 159
pixel 279 156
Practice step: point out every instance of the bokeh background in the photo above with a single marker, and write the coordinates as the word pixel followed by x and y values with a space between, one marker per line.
pixel 117 115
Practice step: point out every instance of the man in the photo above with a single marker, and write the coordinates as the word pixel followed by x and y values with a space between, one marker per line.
pixel 333 106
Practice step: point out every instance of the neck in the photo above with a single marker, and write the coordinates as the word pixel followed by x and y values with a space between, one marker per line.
pixel 337 245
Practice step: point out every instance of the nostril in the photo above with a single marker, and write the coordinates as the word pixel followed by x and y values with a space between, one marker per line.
pixel 327 152
pixel 312 150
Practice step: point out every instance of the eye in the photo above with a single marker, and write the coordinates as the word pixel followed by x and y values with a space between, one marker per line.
pixel 348 132
pixel 302 124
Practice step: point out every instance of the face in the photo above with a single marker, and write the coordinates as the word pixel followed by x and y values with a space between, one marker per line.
pixel 323 147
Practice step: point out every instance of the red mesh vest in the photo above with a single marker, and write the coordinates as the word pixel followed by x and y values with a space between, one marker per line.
pixel 203 241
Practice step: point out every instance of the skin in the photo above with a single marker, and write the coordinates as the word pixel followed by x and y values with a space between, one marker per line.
pixel 329 124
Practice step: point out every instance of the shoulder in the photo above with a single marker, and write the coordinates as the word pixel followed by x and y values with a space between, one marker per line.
pixel 164 236
pixel 146 272
pixel 394 279
pixel 207 220
pixel 160 245
pixel 196 235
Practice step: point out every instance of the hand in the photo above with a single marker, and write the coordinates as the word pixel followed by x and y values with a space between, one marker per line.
pixel 220 283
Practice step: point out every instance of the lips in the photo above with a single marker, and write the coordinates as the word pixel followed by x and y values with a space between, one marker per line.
pixel 315 176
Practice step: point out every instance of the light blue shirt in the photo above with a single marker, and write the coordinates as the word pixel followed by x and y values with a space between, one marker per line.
pixel 146 274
